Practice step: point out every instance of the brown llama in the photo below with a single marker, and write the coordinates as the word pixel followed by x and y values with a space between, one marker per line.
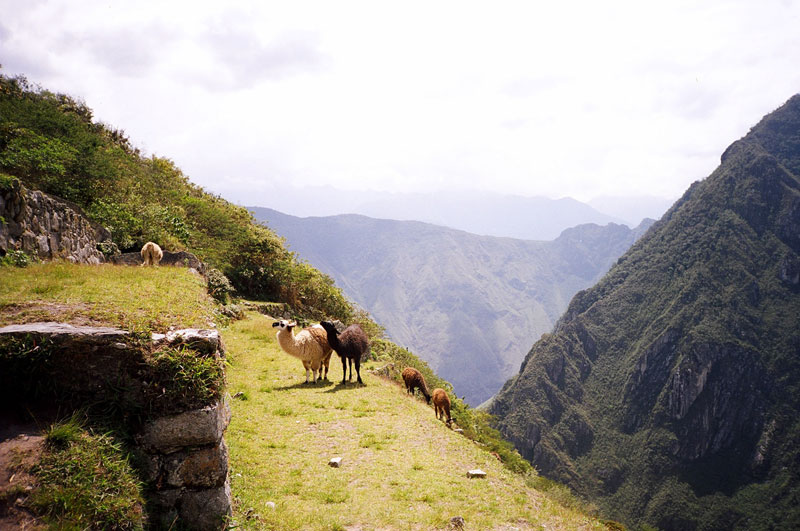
pixel 414 380
pixel 441 403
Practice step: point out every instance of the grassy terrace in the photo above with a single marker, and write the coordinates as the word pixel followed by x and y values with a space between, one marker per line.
pixel 401 468
pixel 137 299
pixel 79 476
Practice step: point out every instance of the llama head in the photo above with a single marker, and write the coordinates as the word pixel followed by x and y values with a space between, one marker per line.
pixel 283 324
pixel 328 326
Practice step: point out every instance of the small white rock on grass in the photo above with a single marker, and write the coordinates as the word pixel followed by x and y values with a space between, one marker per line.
pixel 476 473
pixel 335 462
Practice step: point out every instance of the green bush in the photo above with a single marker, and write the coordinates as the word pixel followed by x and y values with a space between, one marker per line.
pixel 6 182
pixel 219 286
pixel 16 259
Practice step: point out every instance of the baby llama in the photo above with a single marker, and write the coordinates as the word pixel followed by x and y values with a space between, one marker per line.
pixel 350 345
pixel 441 403
pixel 310 346
pixel 414 380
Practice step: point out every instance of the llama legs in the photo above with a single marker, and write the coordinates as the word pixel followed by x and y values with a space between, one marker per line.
pixel 358 371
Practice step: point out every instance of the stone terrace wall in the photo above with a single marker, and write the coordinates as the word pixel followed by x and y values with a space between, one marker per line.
pixel 49 228
pixel 182 454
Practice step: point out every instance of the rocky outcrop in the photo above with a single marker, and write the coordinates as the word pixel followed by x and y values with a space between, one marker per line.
pixel 49 228
pixel 180 448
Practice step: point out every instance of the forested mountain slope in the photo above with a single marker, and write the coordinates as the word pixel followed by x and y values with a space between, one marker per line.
pixel 469 305
pixel 669 393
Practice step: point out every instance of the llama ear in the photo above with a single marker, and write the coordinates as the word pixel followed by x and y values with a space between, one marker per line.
pixel 291 324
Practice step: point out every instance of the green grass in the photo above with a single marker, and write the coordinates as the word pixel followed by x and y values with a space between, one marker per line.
pixel 401 468
pixel 86 482
pixel 133 298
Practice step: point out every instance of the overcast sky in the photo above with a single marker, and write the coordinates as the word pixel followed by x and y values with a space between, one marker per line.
pixel 576 99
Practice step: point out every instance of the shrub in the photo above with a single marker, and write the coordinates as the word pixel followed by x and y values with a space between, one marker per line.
pixel 219 286
pixel 6 182
pixel 16 259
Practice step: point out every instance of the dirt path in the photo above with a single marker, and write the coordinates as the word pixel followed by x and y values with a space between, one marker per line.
pixel 21 447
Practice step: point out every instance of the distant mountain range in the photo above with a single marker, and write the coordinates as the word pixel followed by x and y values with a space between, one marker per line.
pixel 467 304
pixel 669 393
pixel 483 213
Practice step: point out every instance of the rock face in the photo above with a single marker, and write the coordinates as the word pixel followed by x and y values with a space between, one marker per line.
pixel 180 449
pixel 48 228
pixel 668 393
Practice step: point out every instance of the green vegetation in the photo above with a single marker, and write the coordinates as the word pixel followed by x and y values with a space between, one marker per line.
pixel 49 142
pixel 85 481
pixel 475 423
pixel 140 300
pixel 401 468
pixel 668 393
pixel 16 259
pixel 187 377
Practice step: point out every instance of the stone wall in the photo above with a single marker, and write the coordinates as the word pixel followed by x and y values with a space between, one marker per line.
pixel 182 455
pixel 46 227
pixel 185 461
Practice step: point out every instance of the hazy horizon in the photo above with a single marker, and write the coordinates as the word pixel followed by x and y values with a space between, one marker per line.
pixel 503 215
pixel 580 100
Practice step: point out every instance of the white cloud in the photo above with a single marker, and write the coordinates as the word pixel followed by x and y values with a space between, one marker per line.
pixel 581 98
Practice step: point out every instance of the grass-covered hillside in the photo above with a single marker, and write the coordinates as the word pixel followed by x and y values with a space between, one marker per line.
pixel 134 299
pixel 401 468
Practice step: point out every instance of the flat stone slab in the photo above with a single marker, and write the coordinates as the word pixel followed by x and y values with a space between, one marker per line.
pixel 207 341
pixel 63 329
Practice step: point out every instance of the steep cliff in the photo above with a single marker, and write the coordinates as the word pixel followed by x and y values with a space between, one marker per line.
pixel 668 393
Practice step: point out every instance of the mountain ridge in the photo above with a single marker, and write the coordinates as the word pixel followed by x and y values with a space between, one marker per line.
pixel 667 392
pixel 481 213
pixel 465 303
